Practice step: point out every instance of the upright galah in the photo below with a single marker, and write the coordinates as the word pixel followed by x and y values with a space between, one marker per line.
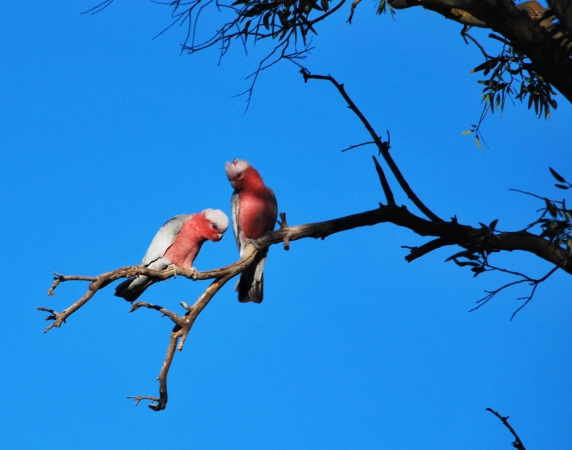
pixel 254 212
pixel 177 243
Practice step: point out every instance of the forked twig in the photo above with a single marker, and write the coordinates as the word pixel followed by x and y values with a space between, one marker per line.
pixel 382 146
pixel 534 282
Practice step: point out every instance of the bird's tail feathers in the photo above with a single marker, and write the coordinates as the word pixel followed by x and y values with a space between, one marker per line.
pixel 250 286
pixel 132 288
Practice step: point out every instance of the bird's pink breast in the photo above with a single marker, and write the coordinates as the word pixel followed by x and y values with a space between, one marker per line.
pixel 186 246
pixel 256 213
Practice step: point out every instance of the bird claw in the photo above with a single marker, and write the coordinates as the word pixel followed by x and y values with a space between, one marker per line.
pixel 175 270
pixel 253 242
pixel 193 275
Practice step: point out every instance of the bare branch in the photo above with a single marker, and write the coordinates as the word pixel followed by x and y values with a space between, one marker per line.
pixel 97 283
pixel 171 315
pixel 384 183
pixel 453 232
pixel 105 279
pixel 58 278
pixel 160 403
pixel 418 252
pixel 383 147
pixel 517 441
pixel 180 332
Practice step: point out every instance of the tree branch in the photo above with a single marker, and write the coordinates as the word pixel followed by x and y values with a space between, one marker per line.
pixel 105 279
pixel 181 330
pixel 447 233
pixel 418 252
pixel 523 279
pixel 451 233
pixel 382 146
pixel 518 24
pixel 384 183
pixel 517 442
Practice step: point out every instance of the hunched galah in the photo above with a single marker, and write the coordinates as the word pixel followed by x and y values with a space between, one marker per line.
pixel 254 212
pixel 177 243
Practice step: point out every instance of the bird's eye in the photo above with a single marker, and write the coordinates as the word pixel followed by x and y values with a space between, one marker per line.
pixel 239 174
pixel 214 225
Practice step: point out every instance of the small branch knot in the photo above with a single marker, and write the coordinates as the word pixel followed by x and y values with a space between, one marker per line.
pixel 283 225
pixel 384 145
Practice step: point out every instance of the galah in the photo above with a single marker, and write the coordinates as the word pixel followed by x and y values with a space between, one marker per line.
pixel 177 243
pixel 254 212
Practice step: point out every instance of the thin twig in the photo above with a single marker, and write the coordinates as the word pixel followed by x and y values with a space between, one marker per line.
pixel 351 147
pixel 140 398
pixel 481 48
pixel 263 65
pixel 330 12
pixel 58 278
pixel 524 279
pixel 527 193
pixel 98 8
pixel 517 441
pixel 171 315
pixel 529 298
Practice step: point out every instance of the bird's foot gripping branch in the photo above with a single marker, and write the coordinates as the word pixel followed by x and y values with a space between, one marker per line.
pixel 477 244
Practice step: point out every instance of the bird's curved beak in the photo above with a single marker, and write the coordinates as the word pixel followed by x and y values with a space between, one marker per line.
pixel 232 184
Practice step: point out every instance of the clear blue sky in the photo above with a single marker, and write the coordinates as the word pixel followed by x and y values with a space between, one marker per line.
pixel 105 134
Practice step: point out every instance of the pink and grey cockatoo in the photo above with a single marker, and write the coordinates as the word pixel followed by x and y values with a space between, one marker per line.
pixel 254 212
pixel 177 243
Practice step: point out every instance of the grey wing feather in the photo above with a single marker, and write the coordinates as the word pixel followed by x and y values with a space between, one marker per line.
pixel 234 206
pixel 164 239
